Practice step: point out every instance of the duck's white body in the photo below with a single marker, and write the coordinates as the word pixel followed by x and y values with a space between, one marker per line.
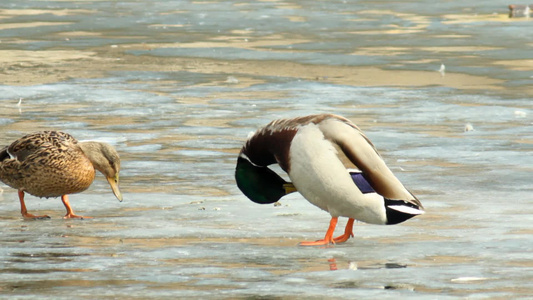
pixel 307 149
pixel 320 176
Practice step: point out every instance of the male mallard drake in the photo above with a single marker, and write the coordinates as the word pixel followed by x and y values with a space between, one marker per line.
pixel 306 148
pixel 53 164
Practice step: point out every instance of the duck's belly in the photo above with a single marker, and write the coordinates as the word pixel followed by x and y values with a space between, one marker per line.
pixel 319 175
pixel 55 181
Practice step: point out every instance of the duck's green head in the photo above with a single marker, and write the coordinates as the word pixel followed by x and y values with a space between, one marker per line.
pixel 260 184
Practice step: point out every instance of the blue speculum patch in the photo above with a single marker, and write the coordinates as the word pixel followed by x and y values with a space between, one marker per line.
pixel 361 182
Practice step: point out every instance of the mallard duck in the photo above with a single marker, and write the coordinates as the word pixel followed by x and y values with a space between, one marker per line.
pixel 310 150
pixel 52 164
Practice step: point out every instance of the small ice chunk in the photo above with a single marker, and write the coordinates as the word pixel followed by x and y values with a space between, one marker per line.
pixel 232 79
pixel 467 279
pixel 468 127
pixel 442 70
pixel 520 114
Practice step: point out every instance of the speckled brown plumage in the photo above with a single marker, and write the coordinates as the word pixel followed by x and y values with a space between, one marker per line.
pixel 53 164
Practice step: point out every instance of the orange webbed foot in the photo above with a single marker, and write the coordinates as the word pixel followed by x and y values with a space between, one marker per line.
pixel 24 211
pixel 322 242
pixel 328 239
pixel 30 216
pixel 73 216
pixel 343 238
pixel 348 232
pixel 70 213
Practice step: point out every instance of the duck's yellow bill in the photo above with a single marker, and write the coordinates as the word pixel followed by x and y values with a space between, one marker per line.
pixel 113 182
pixel 289 188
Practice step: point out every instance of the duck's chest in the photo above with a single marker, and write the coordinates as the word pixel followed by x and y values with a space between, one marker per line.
pixel 317 172
pixel 59 173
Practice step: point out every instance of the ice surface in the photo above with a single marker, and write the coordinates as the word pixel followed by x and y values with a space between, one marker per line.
pixel 185 230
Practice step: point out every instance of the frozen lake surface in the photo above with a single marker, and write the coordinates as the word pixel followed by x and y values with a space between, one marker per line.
pixel 176 87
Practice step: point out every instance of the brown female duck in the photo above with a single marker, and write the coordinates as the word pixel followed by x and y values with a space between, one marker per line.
pixel 52 164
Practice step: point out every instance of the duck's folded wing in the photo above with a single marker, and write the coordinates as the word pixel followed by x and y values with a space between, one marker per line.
pixel 362 153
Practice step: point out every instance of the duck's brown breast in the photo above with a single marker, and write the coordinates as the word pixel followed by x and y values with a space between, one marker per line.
pixel 58 172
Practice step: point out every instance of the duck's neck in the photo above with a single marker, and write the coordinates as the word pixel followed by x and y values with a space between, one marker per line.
pixel 95 153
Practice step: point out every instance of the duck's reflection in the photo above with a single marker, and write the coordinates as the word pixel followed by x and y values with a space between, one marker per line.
pixel 332 264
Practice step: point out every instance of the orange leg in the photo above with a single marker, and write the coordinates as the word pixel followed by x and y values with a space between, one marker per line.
pixel 328 239
pixel 348 232
pixel 24 211
pixel 70 213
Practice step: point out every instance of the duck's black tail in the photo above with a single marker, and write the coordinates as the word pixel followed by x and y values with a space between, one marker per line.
pixel 398 211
